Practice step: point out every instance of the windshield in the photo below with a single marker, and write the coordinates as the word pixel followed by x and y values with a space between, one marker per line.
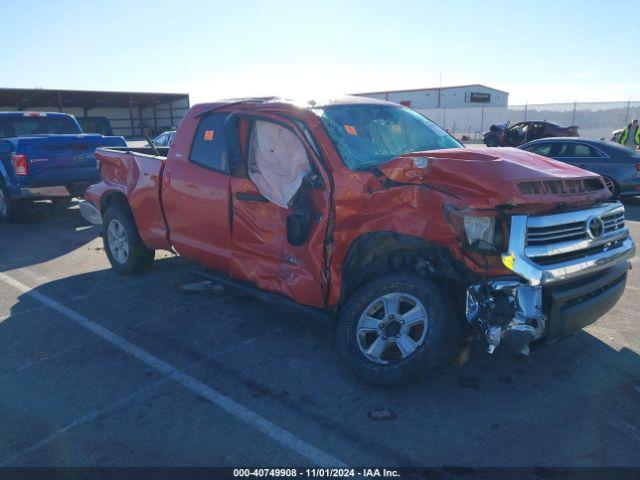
pixel 14 126
pixel 95 125
pixel 369 135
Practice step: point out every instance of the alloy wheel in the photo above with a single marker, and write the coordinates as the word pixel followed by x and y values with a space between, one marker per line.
pixel 392 327
pixel 118 241
pixel 609 183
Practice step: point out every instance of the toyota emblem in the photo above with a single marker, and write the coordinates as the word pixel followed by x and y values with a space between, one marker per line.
pixel 595 227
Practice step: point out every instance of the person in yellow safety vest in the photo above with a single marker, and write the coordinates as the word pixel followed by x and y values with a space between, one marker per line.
pixel 630 137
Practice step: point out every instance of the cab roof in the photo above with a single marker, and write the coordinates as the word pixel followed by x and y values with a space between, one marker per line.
pixel 303 102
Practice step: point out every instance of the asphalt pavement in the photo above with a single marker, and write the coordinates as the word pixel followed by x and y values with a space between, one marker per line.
pixel 98 369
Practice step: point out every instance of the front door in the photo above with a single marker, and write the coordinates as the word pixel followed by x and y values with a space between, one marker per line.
pixel 281 182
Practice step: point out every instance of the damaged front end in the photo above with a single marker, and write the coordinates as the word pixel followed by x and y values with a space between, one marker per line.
pixel 576 259
pixel 506 311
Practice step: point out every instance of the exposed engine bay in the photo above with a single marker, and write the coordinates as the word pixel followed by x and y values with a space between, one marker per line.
pixel 506 311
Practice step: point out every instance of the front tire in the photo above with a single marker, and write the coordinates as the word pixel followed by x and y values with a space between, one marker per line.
pixel 122 243
pixel 11 209
pixel 396 327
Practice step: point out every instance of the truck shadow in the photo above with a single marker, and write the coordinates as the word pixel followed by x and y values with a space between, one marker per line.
pixel 46 231
pixel 44 211
pixel 502 398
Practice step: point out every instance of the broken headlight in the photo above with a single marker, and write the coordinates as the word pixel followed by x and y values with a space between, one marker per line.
pixel 483 233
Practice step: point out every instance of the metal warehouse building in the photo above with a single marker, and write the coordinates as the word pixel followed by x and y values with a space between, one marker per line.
pixel 131 114
pixel 461 96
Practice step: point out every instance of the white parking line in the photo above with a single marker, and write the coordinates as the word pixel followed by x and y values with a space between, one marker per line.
pixel 251 418
pixel 64 351
pixel 91 416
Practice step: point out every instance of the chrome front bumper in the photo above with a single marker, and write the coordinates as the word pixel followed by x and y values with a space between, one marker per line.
pixel 509 311
pixel 611 247
pixel 90 213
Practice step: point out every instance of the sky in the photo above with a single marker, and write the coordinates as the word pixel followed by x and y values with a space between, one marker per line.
pixel 539 51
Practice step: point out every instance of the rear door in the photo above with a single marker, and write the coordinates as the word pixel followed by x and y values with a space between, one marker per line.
pixel 585 156
pixel 591 158
pixel 579 154
pixel 273 246
pixel 195 195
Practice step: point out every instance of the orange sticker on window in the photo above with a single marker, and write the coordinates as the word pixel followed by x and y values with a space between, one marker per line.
pixel 350 130
pixel 208 135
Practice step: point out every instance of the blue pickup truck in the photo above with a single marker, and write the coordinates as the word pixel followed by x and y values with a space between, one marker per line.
pixel 45 155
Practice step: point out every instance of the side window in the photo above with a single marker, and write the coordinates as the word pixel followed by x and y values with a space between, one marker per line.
pixel 209 147
pixel 583 150
pixel 161 140
pixel 569 150
pixel 540 149
pixel 278 162
pixel 596 153
pixel 564 149
pixel 557 150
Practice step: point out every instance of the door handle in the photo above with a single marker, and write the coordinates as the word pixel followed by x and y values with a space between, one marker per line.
pixel 250 197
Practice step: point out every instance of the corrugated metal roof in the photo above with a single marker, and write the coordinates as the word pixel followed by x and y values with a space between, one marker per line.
pixel 24 98
pixel 432 89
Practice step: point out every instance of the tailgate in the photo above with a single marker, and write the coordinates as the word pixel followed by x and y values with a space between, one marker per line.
pixel 63 159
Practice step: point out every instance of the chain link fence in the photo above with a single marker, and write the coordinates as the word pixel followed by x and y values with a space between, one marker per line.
pixel 594 119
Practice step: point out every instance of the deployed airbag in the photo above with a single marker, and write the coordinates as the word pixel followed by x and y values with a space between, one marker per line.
pixel 278 162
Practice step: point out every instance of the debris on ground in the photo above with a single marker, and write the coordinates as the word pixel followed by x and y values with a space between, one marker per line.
pixel 381 414
pixel 204 286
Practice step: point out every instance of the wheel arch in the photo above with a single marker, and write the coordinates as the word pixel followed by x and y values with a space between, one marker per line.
pixel 378 253
pixel 115 197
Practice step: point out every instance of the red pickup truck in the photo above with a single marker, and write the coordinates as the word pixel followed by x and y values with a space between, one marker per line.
pixel 367 212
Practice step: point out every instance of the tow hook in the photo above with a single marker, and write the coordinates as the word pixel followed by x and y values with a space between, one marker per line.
pixel 506 311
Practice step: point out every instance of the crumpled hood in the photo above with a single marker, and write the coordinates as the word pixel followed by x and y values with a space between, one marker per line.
pixel 496 176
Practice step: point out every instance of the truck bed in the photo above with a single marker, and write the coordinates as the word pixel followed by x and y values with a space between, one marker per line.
pixel 53 160
pixel 135 173
pixel 147 151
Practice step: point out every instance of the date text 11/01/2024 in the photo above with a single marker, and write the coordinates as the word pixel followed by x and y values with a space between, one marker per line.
pixel 316 472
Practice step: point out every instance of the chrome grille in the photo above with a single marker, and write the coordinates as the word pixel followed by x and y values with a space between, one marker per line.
pixel 559 233
pixel 556 233
pixel 564 236
pixel 613 221
pixel 545 249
